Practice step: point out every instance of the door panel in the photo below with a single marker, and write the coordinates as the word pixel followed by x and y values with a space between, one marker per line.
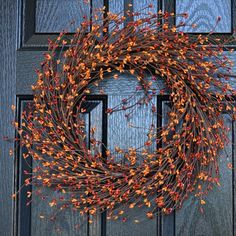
pixel 188 220
pixel 49 15
pixel 218 215
pixel 43 19
pixel 68 222
pixel 122 135
pixel 117 6
pixel 204 14
pixel 38 214
pixel 8 40
pixel 39 20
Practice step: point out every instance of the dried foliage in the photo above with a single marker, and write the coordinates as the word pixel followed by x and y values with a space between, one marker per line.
pixel 196 74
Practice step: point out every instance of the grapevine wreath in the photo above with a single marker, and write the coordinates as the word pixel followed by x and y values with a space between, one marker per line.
pixel 196 75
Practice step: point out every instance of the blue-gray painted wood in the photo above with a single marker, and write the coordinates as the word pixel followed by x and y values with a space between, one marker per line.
pixel 114 90
pixel 28 60
pixel 116 6
pixel 8 39
pixel 121 134
pixel 143 6
pixel 217 218
pixel 58 15
pixel 37 215
pixel 204 14
pixel 42 20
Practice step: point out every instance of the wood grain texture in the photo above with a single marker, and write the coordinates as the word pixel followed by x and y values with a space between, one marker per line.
pixel 67 222
pixel 232 57
pixel 204 14
pixel 57 15
pixel 27 62
pixel 23 210
pixel 122 135
pixel 116 6
pixel 217 218
pixel 97 4
pixel 8 24
pixel 143 7
pixel 189 216
pixel 36 29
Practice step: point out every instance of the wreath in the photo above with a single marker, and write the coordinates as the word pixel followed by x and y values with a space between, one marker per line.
pixel 196 75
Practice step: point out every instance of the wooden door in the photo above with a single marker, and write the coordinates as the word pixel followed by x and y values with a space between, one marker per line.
pixel 26 25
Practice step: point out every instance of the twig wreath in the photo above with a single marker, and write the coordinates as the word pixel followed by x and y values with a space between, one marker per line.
pixel 196 75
